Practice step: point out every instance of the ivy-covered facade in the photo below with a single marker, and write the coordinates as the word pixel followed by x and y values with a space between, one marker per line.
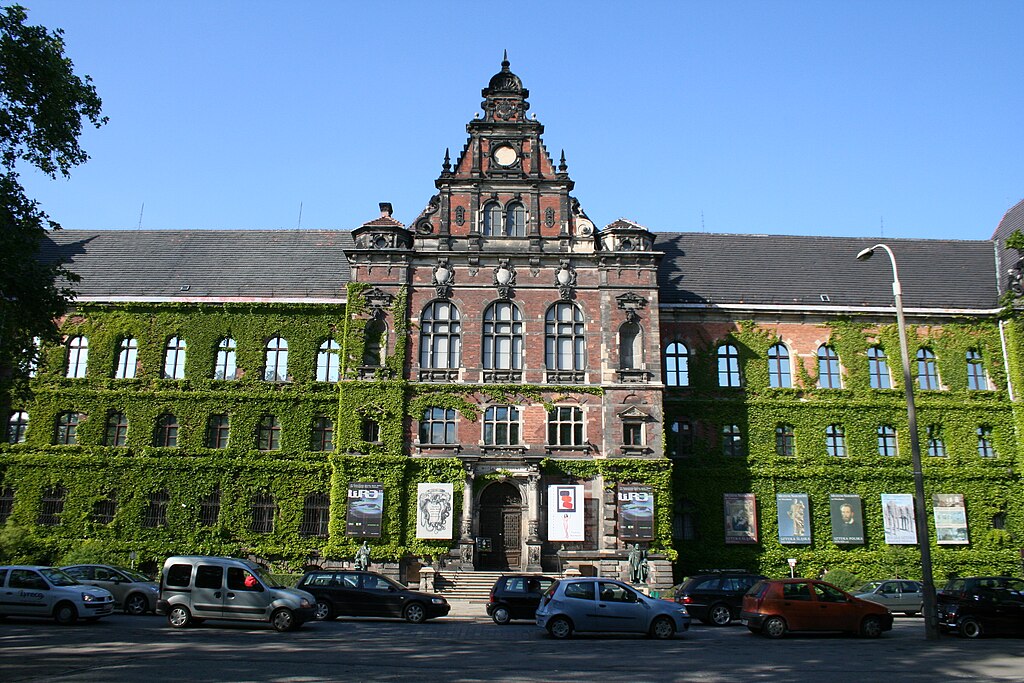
pixel 232 392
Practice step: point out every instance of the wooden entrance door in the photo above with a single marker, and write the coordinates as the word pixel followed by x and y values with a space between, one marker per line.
pixel 501 519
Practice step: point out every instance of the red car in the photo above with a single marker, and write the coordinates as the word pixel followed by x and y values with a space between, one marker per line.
pixel 775 607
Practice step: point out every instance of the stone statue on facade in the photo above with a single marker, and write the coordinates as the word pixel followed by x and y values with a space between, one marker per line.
pixel 363 556
pixel 638 567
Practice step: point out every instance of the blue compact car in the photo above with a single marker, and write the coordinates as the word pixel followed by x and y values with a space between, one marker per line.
pixel 598 605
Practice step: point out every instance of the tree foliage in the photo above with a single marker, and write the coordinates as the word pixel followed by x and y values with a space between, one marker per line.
pixel 42 108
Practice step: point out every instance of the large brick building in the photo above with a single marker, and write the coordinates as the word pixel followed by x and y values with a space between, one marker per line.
pixel 523 382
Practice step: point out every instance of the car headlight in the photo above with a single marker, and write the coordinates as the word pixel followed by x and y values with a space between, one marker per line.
pixel 88 597
pixel 682 610
pixel 437 601
pixel 304 603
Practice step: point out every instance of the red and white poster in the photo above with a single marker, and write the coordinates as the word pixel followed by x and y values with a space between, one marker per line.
pixel 565 512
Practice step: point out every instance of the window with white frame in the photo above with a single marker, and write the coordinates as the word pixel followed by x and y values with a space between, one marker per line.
pixel 437 426
pixel 275 368
pixel 503 337
pixel 565 426
pixel 328 362
pixel 779 373
pixel 564 337
pixel 887 445
pixel 728 366
pixel 78 357
pixel 174 359
pixel 835 441
pixel 440 336
pixel 977 378
pixel 829 372
pixel 677 365
pixel 985 447
pixel 927 371
pixel 878 368
pixel 17 427
pixel 127 359
pixel 225 367
pixel 501 426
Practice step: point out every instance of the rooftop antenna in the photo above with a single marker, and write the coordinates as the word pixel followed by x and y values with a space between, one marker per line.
pixel 140 216
pixel 702 221
pixel 881 226
pixel 299 225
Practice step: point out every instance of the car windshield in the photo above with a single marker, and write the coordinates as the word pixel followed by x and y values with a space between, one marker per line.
pixel 263 576
pixel 869 587
pixel 138 577
pixel 57 577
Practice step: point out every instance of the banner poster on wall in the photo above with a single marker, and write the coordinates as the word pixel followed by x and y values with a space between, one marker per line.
pixel 898 519
pixel 740 517
pixel 950 518
pixel 365 509
pixel 636 512
pixel 794 518
pixel 565 512
pixel 847 521
pixel 434 510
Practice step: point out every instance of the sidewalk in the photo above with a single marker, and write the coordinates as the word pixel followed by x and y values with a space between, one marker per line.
pixel 467 610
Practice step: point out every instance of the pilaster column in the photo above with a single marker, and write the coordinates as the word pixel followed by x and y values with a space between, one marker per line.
pixel 533 542
pixel 466 545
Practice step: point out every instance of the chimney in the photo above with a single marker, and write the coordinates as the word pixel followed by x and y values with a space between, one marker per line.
pixel 385 209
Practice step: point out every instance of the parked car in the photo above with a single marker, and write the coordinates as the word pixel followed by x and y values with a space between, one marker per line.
pixel 133 591
pixel 775 607
pixel 899 595
pixel 715 597
pixel 348 593
pixel 516 596
pixel 195 588
pixel 31 591
pixel 597 605
pixel 980 606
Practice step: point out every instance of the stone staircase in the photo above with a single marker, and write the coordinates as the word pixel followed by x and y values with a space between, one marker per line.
pixel 459 585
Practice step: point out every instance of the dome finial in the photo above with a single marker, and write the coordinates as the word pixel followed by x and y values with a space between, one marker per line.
pixel 504 61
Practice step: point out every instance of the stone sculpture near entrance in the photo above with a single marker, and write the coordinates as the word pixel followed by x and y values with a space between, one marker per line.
pixel 363 556
pixel 638 567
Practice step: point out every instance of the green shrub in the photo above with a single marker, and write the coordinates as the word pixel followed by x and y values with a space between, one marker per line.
pixel 843 579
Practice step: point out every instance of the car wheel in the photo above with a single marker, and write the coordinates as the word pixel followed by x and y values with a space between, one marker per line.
pixel 323 611
pixel 501 616
pixel 414 613
pixel 283 619
pixel 136 605
pixel 971 628
pixel 560 628
pixel 65 613
pixel 720 615
pixel 774 627
pixel 662 628
pixel 871 627
pixel 179 617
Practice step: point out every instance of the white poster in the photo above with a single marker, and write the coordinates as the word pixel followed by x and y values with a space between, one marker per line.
pixel 898 517
pixel 950 518
pixel 434 511
pixel 565 512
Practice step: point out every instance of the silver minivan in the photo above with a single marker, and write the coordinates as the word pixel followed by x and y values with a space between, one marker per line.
pixel 195 588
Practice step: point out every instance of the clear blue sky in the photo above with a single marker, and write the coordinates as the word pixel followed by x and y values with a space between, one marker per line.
pixel 816 118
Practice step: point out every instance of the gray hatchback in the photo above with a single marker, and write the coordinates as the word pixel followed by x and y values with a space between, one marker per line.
pixel 898 595
pixel 597 605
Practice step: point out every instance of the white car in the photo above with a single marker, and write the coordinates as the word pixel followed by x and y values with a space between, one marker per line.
pixel 50 593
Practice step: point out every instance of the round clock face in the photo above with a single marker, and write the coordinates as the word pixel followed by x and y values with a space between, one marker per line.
pixel 505 156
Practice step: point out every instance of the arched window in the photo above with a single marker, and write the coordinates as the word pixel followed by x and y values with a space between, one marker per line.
pixel 564 338
pixel 127 359
pixel 677 365
pixel 878 368
pixel 829 373
pixel 440 336
pixel 977 379
pixel 67 428
pixel 887 445
pixel 174 359
pixel 375 339
pixel 276 366
pixel 631 354
pixel 225 368
pixel 117 429
pixel 17 425
pixel 327 361
pixel 728 366
pixel 835 441
pixel 515 220
pixel 166 431
pixel 779 374
pixel 785 440
pixel 78 357
pixel 492 218
pixel 503 337
pixel 927 372
pixel 501 426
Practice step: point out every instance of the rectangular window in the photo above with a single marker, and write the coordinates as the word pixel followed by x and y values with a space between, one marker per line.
pixel 438 426
pixel 217 431
pixel 732 440
pixel 209 509
pixel 985 448
pixel 316 514
pixel 565 426
pixel 501 426
pixel 269 433
pixel 680 439
pixel 886 441
pixel 371 431
pixel 785 441
pixel 632 434
pixel 323 434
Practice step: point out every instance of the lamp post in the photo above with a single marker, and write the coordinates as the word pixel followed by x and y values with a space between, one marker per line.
pixel 931 621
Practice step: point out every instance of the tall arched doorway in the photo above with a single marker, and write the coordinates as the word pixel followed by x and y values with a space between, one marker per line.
pixel 501 520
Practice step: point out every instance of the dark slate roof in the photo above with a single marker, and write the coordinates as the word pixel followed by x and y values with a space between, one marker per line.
pixel 247 264
pixel 1008 258
pixel 797 270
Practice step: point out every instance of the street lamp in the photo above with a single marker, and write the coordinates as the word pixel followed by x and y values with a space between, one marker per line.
pixel 931 621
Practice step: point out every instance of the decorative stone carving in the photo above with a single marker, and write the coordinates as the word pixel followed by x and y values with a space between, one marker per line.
pixel 443 278
pixel 378 301
pixel 631 303
pixel 565 279
pixel 1016 281
pixel 505 278
pixel 460 215
pixel 549 217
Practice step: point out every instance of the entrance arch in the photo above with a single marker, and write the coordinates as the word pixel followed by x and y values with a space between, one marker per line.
pixel 501 520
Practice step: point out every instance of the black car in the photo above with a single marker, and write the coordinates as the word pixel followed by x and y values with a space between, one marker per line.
pixel 716 597
pixel 349 593
pixel 516 596
pixel 984 605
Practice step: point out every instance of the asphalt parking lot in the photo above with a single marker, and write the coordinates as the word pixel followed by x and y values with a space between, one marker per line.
pixel 468 647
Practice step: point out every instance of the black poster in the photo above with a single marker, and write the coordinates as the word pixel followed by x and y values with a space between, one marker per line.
pixel 636 512
pixel 365 509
